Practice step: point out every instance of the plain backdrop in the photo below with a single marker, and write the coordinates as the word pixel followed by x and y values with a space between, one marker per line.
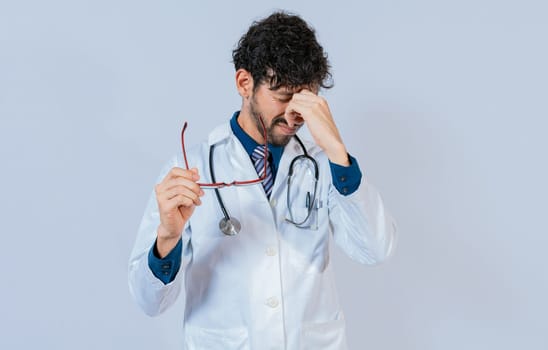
pixel 443 102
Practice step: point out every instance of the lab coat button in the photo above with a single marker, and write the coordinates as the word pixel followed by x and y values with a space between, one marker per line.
pixel 272 203
pixel 270 251
pixel 272 302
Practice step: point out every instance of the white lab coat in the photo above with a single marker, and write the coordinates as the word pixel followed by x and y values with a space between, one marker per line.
pixel 272 285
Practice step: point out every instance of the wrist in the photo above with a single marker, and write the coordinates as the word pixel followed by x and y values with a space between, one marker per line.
pixel 338 155
pixel 165 242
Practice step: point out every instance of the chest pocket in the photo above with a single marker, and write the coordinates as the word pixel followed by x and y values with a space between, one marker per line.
pixel 303 196
pixel 197 338
pixel 307 226
pixel 326 336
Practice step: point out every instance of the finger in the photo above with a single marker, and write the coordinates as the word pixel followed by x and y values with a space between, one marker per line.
pixel 191 174
pixel 306 92
pixel 195 171
pixel 304 102
pixel 179 181
pixel 181 190
pixel 309 107
pixel 297 109
pixel 176 202
pixel 293 118
pixel 310 100
pixel 176 177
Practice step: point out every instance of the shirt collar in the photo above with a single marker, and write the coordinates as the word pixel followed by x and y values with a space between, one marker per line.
pixel 250 144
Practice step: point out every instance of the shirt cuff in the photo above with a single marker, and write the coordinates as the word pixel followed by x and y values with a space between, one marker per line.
pixel 165 269
pixel 346 179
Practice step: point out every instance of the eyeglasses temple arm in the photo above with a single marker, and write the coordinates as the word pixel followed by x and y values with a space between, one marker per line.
pixel 183 143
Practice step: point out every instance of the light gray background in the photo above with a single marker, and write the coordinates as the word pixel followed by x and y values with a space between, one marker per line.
pixel 443 102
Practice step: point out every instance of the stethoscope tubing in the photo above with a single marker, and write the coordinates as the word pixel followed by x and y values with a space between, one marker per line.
pixel 228 219
pixel 212 173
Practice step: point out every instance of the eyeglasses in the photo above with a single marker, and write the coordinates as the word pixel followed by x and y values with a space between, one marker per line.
pixel 233 183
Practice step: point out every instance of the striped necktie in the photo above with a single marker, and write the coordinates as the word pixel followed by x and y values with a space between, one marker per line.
pixel 258 160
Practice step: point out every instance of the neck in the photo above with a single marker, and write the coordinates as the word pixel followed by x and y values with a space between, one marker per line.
pixel 247 122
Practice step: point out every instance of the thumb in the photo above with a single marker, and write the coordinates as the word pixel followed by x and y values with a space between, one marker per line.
pixel 195 171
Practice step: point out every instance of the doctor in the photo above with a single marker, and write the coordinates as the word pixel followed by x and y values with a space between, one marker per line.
pixel 241 224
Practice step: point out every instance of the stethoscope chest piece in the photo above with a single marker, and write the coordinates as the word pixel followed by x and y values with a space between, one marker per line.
pixel 230 226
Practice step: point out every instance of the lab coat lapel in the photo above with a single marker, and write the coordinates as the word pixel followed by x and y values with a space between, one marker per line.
pixel 233 163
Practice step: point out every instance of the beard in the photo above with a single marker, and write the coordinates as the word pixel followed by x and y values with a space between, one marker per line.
pixel 273 139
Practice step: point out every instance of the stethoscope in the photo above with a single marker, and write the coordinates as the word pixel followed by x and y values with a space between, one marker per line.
pixel 231 226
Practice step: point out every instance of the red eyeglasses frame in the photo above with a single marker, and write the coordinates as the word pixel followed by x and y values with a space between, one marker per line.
pixel 233 183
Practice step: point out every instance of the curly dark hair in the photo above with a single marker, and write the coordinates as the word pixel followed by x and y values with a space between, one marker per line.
pixel 282 50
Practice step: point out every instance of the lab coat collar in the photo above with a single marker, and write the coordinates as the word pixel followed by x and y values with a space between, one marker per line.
pixel 219 134
pixel 223 133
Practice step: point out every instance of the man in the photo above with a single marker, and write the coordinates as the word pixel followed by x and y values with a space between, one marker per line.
pixel 253 261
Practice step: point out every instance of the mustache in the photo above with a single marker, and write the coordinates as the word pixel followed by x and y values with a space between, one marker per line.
pixel 279 120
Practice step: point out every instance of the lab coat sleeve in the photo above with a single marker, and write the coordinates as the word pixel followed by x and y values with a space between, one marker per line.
pixel 360 224
pixel 149 292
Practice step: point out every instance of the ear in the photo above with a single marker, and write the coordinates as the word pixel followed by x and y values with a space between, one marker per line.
pixel 244 83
